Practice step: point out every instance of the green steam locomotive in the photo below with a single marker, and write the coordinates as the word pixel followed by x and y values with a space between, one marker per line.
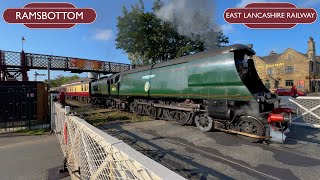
pixel 216 89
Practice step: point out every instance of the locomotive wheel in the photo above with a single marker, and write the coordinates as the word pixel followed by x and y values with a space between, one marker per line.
pixel 204 122
pixel 181 117
pixel 250 125
pixel 165 115
pixel 132 106
pixel 152 112
pixel 138 109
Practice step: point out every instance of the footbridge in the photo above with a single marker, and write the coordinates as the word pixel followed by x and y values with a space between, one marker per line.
pixel 17 64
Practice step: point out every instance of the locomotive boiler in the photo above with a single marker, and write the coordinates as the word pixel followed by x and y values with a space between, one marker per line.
pixel 215 90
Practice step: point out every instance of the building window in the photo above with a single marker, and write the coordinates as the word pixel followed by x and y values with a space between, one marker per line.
pixel 289 69
pixel 276 84
pixel 289 82
pixel 267 84
pixel 269 71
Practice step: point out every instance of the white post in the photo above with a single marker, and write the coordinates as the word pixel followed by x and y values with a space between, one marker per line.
pixel 67 110
pixel 53 113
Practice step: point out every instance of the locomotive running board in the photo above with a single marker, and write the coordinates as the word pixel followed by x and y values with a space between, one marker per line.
pixel 171 107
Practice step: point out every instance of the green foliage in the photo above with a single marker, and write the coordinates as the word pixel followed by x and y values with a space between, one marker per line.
pixel 58 81
pixel 147 39
pixel 36 132
pixel 222 39
pixel 101 118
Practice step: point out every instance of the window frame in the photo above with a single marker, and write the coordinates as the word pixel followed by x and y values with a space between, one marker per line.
pixel 288 72
pixel 291 82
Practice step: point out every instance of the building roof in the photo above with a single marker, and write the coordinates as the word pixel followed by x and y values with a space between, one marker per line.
pixel 273 57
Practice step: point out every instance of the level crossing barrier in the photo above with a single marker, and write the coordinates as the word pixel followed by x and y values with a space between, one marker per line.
pixel 306 108
pixel 93 154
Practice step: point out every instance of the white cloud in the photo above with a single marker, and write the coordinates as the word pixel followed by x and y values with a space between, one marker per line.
pixel 102 34
pixel 309 3
pixel 245 2
pixel 227 28
pixel 305 3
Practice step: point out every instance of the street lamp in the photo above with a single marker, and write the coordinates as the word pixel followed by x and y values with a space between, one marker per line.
pixel 311 85
pixel 22 41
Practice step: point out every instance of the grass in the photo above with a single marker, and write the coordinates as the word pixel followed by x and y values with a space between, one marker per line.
pixel 115 116
pixel 34 132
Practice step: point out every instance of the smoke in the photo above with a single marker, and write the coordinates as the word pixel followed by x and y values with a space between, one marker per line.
pixel 192 18
pixel 249 109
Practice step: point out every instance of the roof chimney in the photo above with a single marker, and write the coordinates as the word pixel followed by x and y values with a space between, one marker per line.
pixel 272 53
pixel 311 53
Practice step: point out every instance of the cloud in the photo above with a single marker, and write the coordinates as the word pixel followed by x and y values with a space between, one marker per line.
pixel 305 3
pixel 102 34
pixel 227 28
pixel 309 3
pixel 245 2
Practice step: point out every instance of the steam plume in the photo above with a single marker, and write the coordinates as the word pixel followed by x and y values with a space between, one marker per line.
pixel 193 18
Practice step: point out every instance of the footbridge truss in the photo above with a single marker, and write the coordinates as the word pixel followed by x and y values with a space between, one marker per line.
pixel 17 64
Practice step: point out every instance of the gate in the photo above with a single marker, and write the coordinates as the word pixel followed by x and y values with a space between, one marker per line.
pixel 19 107
pixel 307 110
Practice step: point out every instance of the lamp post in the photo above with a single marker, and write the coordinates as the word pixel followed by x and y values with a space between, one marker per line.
pixel 311 70
pixel 22 41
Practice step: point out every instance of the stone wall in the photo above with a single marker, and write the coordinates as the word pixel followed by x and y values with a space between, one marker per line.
pixel 290 57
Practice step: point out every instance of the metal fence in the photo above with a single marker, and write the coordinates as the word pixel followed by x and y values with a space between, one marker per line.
pixel 93 154
pixel 23 106
pixel 307 109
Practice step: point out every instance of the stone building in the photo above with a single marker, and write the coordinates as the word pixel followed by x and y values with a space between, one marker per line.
pixel 290 68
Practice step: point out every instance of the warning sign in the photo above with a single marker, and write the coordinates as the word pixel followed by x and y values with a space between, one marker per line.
pixel 300 84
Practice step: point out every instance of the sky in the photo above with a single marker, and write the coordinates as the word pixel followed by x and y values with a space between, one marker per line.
pixel 97 40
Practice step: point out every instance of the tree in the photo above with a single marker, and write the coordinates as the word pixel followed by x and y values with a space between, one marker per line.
pixel 148 40
pixel 60 80
pixel 222 39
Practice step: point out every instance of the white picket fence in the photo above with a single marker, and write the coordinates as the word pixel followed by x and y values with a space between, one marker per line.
pixel 93 154
pixel 307 110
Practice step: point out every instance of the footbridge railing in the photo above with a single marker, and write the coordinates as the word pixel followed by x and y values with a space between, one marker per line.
pixel 93 154
pixel 307 109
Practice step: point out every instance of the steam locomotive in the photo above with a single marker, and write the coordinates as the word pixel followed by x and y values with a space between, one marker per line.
pixel 215 90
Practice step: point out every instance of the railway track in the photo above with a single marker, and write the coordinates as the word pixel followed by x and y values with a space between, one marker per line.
pixel 158 155
pixel 89 106
pixel 153 154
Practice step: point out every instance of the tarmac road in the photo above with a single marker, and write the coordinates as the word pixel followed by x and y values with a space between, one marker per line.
pixel 217 155
pixel 24 157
